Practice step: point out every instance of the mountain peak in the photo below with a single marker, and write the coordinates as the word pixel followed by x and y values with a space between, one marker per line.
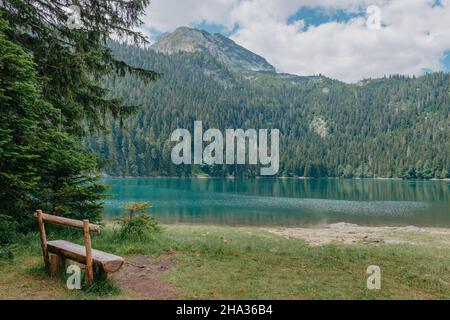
pixel 224 49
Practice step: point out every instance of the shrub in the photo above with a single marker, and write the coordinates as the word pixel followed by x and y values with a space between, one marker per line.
pixel 139 225
pixel 139 228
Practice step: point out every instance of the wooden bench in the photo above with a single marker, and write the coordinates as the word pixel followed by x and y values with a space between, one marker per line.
pixel 61 250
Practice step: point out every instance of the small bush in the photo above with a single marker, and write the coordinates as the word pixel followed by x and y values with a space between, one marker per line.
pixel 8 229
pixel 139 225
pixel 139 228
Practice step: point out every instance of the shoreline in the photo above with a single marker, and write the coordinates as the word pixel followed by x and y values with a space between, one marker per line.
pixel 317 226
pixel 350 234
pixel 341 233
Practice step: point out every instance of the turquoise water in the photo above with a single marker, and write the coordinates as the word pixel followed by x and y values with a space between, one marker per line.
pixel 285 202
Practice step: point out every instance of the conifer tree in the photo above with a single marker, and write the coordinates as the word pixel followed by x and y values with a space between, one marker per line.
pixel 51 97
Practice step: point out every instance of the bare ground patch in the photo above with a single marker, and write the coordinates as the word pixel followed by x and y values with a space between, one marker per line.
pixel 141 277
pixel 347 233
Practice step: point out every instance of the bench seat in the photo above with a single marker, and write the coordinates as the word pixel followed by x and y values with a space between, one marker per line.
pixel 106 261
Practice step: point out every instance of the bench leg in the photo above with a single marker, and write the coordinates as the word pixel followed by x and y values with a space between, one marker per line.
pixel 43 238
pixel 87 243
pixel 100 274
pixel 55 264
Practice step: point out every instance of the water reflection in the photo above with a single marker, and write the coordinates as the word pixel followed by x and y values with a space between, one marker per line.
pixel 286 202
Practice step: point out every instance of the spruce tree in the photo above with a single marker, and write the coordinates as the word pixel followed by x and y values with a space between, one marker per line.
pixel 72 59
pixel 40 165
pixel 51 97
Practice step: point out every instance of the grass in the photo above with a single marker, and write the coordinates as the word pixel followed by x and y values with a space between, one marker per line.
pixel 245 263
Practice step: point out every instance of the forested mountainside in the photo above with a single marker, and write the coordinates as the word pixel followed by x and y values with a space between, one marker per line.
pixel 390 127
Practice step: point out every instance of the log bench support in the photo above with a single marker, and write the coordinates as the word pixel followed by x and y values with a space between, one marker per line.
pixel 56 264
pixel 56 252
pixel 87 244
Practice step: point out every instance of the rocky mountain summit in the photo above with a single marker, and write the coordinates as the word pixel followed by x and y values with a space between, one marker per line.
pixel 225 50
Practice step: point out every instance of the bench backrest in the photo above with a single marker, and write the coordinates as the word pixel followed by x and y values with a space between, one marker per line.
pixel 66 221
pixel 84 225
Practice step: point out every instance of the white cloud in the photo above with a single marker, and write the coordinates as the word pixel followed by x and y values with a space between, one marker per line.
pixel 413 38
pixel 166 15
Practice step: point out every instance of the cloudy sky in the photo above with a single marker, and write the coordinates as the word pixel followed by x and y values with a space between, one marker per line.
pixel 336 38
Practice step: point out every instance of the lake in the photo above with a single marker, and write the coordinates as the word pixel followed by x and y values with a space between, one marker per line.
pixel 285 202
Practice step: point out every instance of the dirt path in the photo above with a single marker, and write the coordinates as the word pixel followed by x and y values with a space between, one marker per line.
pixel 347 233
pixel 141 277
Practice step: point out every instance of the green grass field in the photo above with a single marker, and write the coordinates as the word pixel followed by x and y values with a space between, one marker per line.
pixel 244 263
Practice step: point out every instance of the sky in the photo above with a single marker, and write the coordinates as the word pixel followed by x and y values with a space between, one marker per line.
pixel 349 40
